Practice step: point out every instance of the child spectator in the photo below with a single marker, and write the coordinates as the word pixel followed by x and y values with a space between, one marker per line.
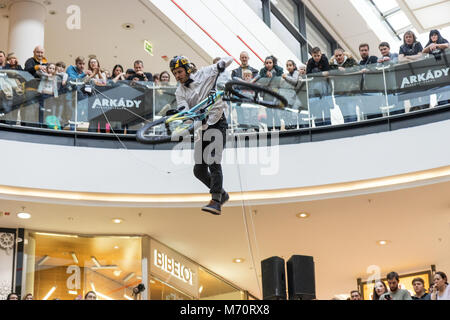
pixel 436 44
pixel 293 74
pixel 386 55
pixel 12 63
pixel 411 49
pixel 63 76
pixel 164 78
pixel 156 79
pixel 48 88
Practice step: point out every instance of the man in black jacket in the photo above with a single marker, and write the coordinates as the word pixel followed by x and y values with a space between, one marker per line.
pixel 139 74
pixel 365 56
pixel 37 62
pixel 319 89
pixel 244 66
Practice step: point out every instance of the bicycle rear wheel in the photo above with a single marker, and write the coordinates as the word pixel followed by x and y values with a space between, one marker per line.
pixel 241 91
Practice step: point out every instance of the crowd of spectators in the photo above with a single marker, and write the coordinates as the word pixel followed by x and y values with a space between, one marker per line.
pixel 55 79
pixel 439 289
pixel 90 295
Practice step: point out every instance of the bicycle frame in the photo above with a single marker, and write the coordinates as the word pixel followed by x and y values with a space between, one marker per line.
pixel 193 112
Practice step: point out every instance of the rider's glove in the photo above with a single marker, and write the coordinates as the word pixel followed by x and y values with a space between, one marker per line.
pixel 171 112
pixel 221 66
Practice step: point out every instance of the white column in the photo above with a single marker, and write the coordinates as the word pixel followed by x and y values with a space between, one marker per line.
pixel 26 28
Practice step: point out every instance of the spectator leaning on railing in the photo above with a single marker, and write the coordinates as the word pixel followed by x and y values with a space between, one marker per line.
pixel 342 60
pixel 386 55
pixel 411 49
pixel 37 62
pixel 139 74
pixel 318 63
pixel 436 44
pixel 13 63
pixel 366 58
pixel 239 72
pixel 76 72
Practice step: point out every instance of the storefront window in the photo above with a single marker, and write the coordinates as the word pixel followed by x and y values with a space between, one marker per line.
pixel 289 9
pixel 213 288
pixel 256 6
pixel 66 267
pixel 316 39
pixel 285 36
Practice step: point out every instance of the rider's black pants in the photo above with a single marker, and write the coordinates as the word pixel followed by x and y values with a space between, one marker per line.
pixel 208 168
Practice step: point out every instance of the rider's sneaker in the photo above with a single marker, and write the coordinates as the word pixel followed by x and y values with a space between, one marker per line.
pixel 213 207
pixel 225 198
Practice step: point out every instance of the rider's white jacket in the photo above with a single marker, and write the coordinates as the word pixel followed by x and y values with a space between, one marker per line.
pixel 198 90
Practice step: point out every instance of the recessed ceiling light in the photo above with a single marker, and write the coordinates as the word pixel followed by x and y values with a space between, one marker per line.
pixel 302 215
pixel 23 215
pixel 238 260
pixel 116 247
pixel 383 242
pixel 117 273
pixel 117 220
pixel 128 26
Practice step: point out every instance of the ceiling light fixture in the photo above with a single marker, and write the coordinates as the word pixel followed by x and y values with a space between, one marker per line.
pixel 117 273
pixel 128 277
pixel 302 215
pixel 238 260
pixel 23 214
pixel 42 261
pixel 55 235
pixel 383 242
pixel 117 220
pixel 49 293
pixel 73 292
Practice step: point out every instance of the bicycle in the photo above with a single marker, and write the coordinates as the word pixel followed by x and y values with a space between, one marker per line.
pixel 186 122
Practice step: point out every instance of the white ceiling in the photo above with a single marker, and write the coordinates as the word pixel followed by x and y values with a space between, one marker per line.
pixel 427 14
pixel 341 234
pixel 102 34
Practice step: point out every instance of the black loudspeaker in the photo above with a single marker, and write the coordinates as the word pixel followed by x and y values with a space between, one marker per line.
pixel 273 279
pixel 301 279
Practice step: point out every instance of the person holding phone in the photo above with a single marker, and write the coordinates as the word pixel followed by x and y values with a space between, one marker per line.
pixel 395 292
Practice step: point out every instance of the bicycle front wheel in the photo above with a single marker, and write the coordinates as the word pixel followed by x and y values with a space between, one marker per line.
pixel 144 135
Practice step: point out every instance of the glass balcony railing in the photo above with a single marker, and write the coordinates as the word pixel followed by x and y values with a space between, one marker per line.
pixel 324 99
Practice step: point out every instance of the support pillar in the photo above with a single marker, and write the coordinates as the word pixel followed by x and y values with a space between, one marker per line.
pixel 26 28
